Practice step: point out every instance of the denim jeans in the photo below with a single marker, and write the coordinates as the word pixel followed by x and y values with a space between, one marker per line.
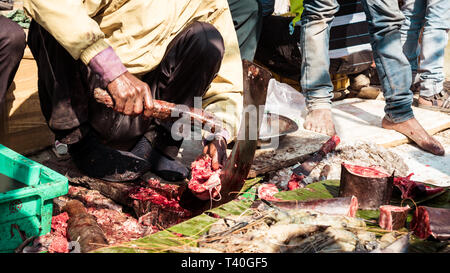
pixel 434 17
pixel 384 19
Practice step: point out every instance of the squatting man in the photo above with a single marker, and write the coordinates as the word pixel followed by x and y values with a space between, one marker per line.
pixel 138 51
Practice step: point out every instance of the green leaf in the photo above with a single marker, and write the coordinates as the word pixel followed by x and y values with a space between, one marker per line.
pixel 250 183
pixel 318 190
pixel 163 240
pixel 157 242
pixel 438 201
pixel 371 215
pixel 250 194
pixel 235 207
pixel 194 226
pixel 417 245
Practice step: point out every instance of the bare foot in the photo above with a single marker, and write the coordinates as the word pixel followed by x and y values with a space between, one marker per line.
pixel 320 121
pixel 412 129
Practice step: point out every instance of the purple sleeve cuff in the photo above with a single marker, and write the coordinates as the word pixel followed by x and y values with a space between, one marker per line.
pixel 222 133
pixel 108 65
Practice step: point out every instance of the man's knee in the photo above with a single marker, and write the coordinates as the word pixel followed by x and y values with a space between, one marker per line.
pixel 12 38
pixel 319 9
pixel 207 39
pixel 250 8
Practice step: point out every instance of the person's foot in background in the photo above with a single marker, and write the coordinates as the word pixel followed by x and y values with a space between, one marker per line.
pixel 320 121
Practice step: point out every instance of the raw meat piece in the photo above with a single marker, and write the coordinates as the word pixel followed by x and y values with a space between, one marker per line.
pixel 148 194
pixel 412 189
pixel 83 228
pixel 371 185
pixel 117 227
pixel 267 192
pixel 330 145
pixel 393 217
pixel 168 190
pixel 159 204
pixel 431 221
pixel 205 183
pixel 59 244
pixel 153 197
pixel 294 182
pixel 59 224
pixel 55 241
pixel 347 206
pixel 161 219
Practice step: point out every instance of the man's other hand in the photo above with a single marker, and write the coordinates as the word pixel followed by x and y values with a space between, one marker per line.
pixel 217 150
pixel 131 95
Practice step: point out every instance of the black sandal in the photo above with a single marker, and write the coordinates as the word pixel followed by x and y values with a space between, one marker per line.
pixel 442 96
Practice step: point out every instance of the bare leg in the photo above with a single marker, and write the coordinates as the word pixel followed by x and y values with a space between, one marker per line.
pixel 320 121
pixel 413 130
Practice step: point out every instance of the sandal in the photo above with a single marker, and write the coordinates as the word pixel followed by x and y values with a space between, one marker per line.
pixel 442 96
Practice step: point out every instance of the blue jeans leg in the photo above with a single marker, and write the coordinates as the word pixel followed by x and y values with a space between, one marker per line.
pixel 315 79
pixel 394 70
pixel 434 41
pixel 434 17
pixel 414 13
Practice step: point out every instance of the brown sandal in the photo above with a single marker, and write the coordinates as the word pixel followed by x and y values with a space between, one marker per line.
pixel 442 96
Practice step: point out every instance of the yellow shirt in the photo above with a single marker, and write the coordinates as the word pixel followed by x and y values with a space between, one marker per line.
pixel 139 32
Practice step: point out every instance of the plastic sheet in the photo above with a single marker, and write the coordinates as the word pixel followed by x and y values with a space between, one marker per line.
pixel 283 99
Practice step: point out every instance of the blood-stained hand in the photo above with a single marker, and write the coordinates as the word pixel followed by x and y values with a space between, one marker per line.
pixel 131 95
pixel 217 150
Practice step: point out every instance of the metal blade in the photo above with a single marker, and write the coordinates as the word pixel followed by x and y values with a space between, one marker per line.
pixel 237 167
pixel 233 175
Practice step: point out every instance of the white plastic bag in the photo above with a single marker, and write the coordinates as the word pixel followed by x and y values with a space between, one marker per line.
pixel 285 100
pixel 281 7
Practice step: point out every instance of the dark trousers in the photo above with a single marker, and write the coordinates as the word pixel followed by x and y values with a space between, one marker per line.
pixel 191 62
pixel 12 45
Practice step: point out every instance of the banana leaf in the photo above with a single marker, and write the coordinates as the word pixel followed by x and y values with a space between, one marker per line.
pixel 185 233
pixel 158 242
pixel 417 245
pixel 250 183
pixel 318 190
pixel 438 200
pixel 182 234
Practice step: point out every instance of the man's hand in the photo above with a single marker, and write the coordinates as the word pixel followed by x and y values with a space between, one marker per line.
pixel 217 150
pixel 131 95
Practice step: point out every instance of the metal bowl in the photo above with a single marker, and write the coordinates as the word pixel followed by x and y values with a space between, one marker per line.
pixel 275 126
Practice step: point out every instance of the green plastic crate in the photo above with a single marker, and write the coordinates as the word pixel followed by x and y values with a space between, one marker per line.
pixel 30 207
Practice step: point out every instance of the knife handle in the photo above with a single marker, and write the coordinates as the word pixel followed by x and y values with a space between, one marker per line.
pixel 163 110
